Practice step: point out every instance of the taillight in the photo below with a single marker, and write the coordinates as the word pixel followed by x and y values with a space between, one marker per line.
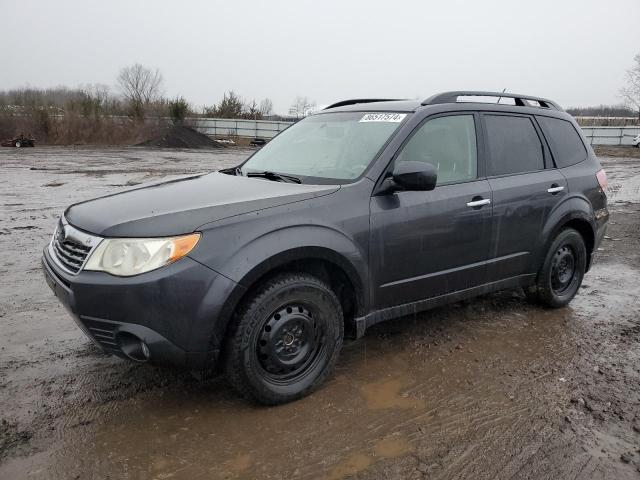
pixel 601 175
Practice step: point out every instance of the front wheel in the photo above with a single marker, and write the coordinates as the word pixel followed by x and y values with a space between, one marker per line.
pixel 285 339
pixel 18 144
pixel 561 274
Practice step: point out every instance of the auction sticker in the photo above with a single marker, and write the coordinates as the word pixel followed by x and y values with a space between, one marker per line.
pixel 383 117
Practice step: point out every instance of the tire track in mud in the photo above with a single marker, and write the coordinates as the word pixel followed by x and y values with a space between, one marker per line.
pixel 462 413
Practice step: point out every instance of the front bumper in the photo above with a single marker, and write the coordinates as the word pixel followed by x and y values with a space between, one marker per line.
pixel 173 310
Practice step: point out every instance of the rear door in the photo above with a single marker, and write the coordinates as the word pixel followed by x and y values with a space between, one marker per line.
pixel 525 189
pixel 425 244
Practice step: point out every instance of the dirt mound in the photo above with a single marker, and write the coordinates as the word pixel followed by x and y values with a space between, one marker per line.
pixel 178 136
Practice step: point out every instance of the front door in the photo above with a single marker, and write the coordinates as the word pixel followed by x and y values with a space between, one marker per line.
pixel 426 244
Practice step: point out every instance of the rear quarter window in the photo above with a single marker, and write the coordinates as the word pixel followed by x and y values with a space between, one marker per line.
pixel 565 143
pixel 514 145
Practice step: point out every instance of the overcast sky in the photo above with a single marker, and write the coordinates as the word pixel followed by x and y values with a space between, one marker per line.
pixel 575 52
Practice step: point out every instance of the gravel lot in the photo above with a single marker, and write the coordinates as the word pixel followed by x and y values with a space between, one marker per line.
pixel 489 388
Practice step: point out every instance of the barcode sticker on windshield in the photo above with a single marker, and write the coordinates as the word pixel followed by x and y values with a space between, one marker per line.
pixel 383 117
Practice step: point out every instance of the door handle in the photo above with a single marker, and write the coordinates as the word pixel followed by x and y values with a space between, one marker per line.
pixel 555 189
pixel 479 203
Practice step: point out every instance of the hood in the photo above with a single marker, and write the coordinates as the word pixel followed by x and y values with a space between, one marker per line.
pixel 181 206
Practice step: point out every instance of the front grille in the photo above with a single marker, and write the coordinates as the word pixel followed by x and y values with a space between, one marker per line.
pixel 70 253
pixel 71 247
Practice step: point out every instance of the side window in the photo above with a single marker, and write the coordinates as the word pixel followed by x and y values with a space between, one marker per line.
pixel 514 145
pixel 566 145
pixel 447 143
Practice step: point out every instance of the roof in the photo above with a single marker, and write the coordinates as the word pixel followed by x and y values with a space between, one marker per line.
pixel 471 96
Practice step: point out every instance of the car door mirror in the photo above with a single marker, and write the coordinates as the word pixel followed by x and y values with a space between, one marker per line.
pixel 415 176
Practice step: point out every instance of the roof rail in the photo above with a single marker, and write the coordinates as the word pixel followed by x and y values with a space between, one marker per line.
pixel 520 100
pixel 359 100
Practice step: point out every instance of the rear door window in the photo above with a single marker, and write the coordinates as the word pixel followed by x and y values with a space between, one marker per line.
pixel 514 145
pixel 566 145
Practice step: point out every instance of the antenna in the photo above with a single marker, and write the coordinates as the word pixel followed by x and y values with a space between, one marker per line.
pixel 500 97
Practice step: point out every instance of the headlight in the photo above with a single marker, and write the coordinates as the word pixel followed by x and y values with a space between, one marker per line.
pixel 125 257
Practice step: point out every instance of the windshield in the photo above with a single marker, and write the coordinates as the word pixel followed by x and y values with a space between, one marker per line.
pixel 336 146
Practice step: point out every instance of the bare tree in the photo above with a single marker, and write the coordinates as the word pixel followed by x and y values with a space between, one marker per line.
pixel 140 86
pixel 99 91
pixel 631 92
pixel 251 110
pixel 266 107
pixel 302 106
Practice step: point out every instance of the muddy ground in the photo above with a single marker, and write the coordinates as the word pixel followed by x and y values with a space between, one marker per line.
pixel 489 388
pixel 617 151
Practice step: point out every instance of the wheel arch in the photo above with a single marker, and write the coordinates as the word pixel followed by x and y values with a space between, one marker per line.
pixel 576 213
pixel 327 264
pixel 585 229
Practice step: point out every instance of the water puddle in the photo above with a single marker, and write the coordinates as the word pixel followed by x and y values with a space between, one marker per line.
pixel 388 394
pixel 350 466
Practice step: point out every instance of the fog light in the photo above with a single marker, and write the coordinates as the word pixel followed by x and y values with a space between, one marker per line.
pixel 133 347
pixel 145 350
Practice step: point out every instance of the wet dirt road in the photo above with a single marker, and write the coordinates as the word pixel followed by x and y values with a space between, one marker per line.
pixel 490 388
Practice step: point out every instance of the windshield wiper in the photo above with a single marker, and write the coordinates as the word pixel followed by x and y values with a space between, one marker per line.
pixel 276 177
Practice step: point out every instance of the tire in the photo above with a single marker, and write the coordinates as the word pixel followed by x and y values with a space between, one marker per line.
pixel 18 144
pixel 561 274
pixel 285 339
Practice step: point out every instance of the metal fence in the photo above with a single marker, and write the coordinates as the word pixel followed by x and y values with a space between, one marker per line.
pixel 225 127
pixel 610 135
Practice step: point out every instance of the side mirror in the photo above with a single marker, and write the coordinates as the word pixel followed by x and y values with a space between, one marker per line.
pixel 415 176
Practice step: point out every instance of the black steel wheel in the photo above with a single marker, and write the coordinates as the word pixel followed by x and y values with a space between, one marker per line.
pixel 286 339
pixel 563 269
pixel 289 342
pixel 561 274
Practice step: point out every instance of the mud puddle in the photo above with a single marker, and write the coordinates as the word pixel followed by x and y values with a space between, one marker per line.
pixel 489 388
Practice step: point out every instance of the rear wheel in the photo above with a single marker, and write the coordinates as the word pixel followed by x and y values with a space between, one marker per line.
pixel 18 144
pixel 285 339
pixel 561 274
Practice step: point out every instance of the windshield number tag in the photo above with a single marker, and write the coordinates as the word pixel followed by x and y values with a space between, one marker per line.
pixel 383 117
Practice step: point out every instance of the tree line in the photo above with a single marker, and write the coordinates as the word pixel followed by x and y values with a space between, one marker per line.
pixel 138 95
pixel 602 111
pixel 91 113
